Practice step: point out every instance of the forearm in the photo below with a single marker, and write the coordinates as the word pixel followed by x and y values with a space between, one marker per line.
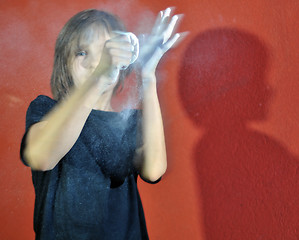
pixel 155 45
pixel 48 141
pixel 154 152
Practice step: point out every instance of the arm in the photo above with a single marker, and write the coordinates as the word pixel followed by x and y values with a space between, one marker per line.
pixel 49 140
pixel 154 162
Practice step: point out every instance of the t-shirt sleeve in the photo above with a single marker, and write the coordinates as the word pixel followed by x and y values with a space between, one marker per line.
pixel 150 182
pixel 37 109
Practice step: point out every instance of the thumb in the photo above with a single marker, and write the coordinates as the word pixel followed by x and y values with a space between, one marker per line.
pixel 152 63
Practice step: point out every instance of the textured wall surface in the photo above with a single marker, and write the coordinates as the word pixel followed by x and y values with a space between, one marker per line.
pixel 229 95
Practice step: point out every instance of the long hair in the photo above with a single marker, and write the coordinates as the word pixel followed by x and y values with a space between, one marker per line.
pixel 61 79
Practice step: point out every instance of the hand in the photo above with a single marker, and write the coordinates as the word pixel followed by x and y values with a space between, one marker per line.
pixel 161 39
pixel 123 50
pixel 105 57
pixel 135 44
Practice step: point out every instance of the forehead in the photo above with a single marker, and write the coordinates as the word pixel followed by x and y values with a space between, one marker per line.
pixel 94 32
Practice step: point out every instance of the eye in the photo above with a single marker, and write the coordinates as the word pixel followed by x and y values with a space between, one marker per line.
pixel 81 53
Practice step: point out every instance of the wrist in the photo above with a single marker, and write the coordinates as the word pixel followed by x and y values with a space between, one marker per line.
pixel 149 84
pixel 148 81
pixel 148 76
pixel 112 73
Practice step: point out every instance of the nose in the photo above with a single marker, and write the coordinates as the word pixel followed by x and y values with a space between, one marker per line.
pixel 94 60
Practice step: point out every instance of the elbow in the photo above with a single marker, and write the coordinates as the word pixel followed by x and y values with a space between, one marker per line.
pixel 37 162
pixel 155 177
pixel 154 173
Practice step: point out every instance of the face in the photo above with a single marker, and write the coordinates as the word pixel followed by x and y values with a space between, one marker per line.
pixel 87 53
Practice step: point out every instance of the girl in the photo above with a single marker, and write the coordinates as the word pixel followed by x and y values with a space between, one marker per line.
pixel 84 156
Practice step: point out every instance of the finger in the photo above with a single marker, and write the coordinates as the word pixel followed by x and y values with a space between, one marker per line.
pixel 132 55
pixel 119 38
pixel 165 16
pixel 183 36
pixel 167 12
pixel 129 36
pixel 122 33
pixel 133 38
pixel 157 22
pixel 115 52
pixel 171 27
pixel 120 45
pixel 175 40
pixel 135 43
pixel 170 42
pixel 164 21
pixel 163 26
pixel 161 19
pixel 121 62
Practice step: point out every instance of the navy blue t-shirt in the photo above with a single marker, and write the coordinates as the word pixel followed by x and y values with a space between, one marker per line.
pixel 92 192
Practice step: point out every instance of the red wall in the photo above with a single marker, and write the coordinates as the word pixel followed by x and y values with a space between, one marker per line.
pixel 229 95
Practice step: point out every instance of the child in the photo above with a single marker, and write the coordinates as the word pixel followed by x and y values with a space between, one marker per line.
pixel 85 157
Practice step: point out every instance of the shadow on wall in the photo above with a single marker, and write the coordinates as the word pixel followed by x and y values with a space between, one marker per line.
pixel 247 182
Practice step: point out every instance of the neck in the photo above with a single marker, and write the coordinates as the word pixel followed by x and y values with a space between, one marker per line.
pixel 104 102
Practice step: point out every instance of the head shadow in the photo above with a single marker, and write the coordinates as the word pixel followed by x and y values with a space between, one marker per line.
pixel 222 78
